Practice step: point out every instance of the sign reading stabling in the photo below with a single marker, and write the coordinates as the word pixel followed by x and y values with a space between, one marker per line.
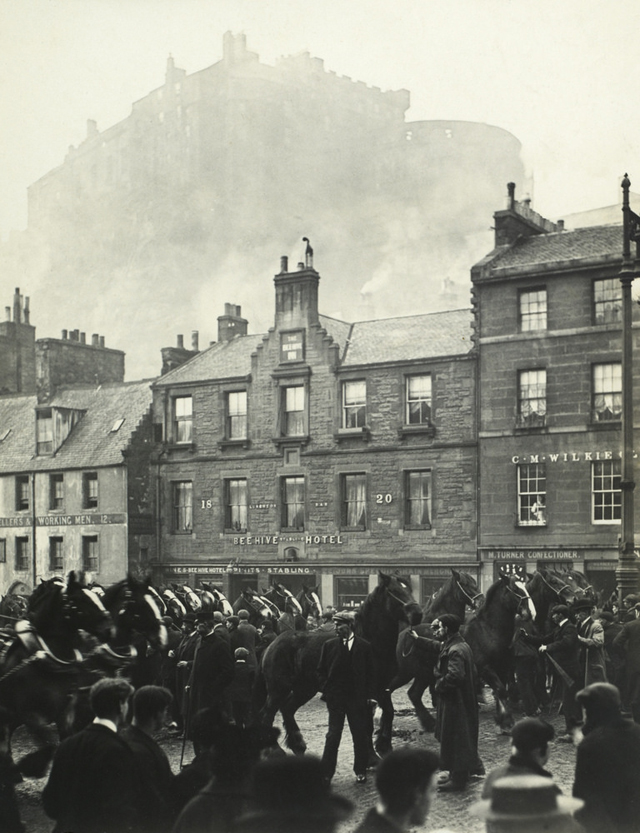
pixel 292 346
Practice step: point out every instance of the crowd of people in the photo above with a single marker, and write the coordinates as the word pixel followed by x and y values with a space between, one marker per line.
pixel 114 777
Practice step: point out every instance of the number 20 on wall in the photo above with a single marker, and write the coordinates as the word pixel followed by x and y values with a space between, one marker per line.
pixel 384 498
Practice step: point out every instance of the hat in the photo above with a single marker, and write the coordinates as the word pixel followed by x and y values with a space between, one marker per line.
pixel 583 604
pixel 601 697
pixel 243 614
pixel 524 798
pixel 233 620
pixel 450 621
pixel 189 618
pixel 531 733
pixel 241 653
pixel 606 616
pixel 295 786
pixel 344 617
pixel 204 616
pixel 218 616
pixel 560 610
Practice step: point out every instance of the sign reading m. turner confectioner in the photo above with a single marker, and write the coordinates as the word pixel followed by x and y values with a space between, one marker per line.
pixel 63 520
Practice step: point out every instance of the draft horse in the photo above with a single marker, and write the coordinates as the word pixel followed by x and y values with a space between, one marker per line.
pixel 289 665
pixel 256 606
pixel 288 610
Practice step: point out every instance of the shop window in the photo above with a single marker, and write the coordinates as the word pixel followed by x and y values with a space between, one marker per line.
pixel 22 553
pixel 236 415
pixel 236 505
pixel 56 492
pixel 532 494
pixel 182 494
pixel 293 503
pixel 354 501
pixel 354 404
pixel 607 301
pixel 350 592
pixel 532 398
pixel 606 405
pixel 90 490
pixel 418 499
pixel 418 400
pixel 183 419
pixel 533 310
pixel 23 496
pixel 90 554
pixel 606 497
pixel 56 557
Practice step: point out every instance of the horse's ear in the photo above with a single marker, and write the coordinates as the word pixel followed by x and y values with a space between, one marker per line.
pixel 385 578
pixel 455 574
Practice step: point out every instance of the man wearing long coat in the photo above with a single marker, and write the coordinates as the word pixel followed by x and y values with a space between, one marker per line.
pixel 562 646
pixel 212 669
pixel 591 640
pixel 628 640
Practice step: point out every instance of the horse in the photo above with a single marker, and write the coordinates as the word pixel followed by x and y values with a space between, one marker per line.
pixel 456 594
pixel 548 588
pixel 579 584
pixel 42 664
pixel 289 610
pixel 213 599
pixel 13 607
pixel 189 598
pixel 257 606
pixel 288 673
pixel 174 605
pixel 309 602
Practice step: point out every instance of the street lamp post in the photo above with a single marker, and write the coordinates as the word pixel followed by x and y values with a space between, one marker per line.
pixel 627 569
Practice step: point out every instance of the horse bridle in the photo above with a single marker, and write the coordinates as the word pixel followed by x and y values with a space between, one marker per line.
pixel 551 587
pixel 472 599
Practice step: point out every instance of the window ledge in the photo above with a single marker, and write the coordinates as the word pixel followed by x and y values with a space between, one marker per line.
pixel 180 446
pixel 530 429
pixel 239 443
pixel 417 526
pixel 297 440
pixel 423 430
pixel 291 530
pixel 229 531
pixel 352 434
pixel 531 526
pixel 605 425
pixel 353 529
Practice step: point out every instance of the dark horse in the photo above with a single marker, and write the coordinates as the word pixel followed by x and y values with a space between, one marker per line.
pixel 214 599
pixel 42 666
pixel 289 610
pixel 414 663
pixel 257 607
pixel 290 663
pixel 309 601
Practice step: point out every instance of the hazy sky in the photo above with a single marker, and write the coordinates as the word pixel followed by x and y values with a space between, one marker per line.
pixel 562 76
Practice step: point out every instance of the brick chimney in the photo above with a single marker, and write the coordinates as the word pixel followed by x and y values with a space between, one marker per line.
pixel 297 293
pixel 231 323
pixel 518 219
pixel 173 357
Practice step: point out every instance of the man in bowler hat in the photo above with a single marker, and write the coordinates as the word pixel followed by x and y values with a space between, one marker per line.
pixel 346 676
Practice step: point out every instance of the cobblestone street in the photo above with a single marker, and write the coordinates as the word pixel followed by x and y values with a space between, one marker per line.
pixel 450 810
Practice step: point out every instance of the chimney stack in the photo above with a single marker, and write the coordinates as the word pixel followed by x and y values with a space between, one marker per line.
pixel 180 342
pixel 232 323
pixel 284 264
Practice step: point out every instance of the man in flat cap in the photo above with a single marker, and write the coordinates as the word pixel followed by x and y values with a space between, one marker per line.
pixel 346 675
pixel 561 645
pixel 591 642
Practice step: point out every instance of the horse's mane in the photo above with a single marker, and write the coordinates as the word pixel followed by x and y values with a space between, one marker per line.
pixel 491 592
pixel 112 592
pixel 45 602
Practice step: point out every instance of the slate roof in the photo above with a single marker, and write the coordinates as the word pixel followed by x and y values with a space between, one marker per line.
pixel 91 443
pixel 425 336
pixel 223 360
pixel 338 330
pixel 558 247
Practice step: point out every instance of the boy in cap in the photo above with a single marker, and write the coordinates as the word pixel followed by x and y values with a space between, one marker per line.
pixel 529 752
pixel 346 676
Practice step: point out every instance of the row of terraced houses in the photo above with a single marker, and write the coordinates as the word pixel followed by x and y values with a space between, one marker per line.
pixel 323 451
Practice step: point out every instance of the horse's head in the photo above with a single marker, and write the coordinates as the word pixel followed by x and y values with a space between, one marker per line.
pixel 191 599
pixel 136 610
pixel 157 598
pixel 288 602
pixel 517 587
pixel 310 601
pixel 174 605
pixel 84 609
pixel 560 588
pixel 400 596
pixel 258 606
pixel 467 588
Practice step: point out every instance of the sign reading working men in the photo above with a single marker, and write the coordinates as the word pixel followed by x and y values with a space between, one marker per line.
pixel 63 520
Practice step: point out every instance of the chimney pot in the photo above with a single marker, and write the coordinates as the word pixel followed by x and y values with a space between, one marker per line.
pixel 65 335
pixel 101 341
pixel 181 342
pixel 83 338
pixel 300 266
pixel 95 340
pixel 26 310
pixel 511 191
pixel 194 340
pixel 284 264
pixel 7 312
pixel 560 225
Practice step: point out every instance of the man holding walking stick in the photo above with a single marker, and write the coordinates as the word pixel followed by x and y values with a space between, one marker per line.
pixel 562 646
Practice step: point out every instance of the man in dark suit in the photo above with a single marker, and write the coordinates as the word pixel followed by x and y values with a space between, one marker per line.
pixel 91 784
pixel 346 676
pixel 212 669
pixel 154 787
pixel 628 640
pixel 245 636
pixel 562 646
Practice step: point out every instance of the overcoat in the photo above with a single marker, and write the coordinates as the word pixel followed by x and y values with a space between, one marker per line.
pixel 628 640
pixel 91 784
pixel 341 683
pixel 457 715
pixel 212 672
pixel 185 653
pixel 562 645
pixel 155 803
pixel 592 659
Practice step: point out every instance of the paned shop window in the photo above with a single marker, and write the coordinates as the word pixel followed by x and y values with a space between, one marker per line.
pixel 418 400
pixel 22 492
pixel 607 301
pixel 607 392
pixel 236 505
pixel 56 557
pixel 22 553
pixel 533 310
pixel 182 506
pixel 606 497
pixel 354 501
pixel 350 592
pixel 293 503
pixel 183 419
pixel 90 560
pixel 354 404
pixel 532 398
pixel 532 494
pixel 418 499
pixel 293 424
pixel 236 415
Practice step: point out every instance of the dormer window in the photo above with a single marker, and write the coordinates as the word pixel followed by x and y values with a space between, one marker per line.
pixel 44 431
pixel 53 426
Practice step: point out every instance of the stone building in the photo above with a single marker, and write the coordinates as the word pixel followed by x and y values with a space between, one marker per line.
pixel 74 470
pixel 320 451
pixel 547 317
